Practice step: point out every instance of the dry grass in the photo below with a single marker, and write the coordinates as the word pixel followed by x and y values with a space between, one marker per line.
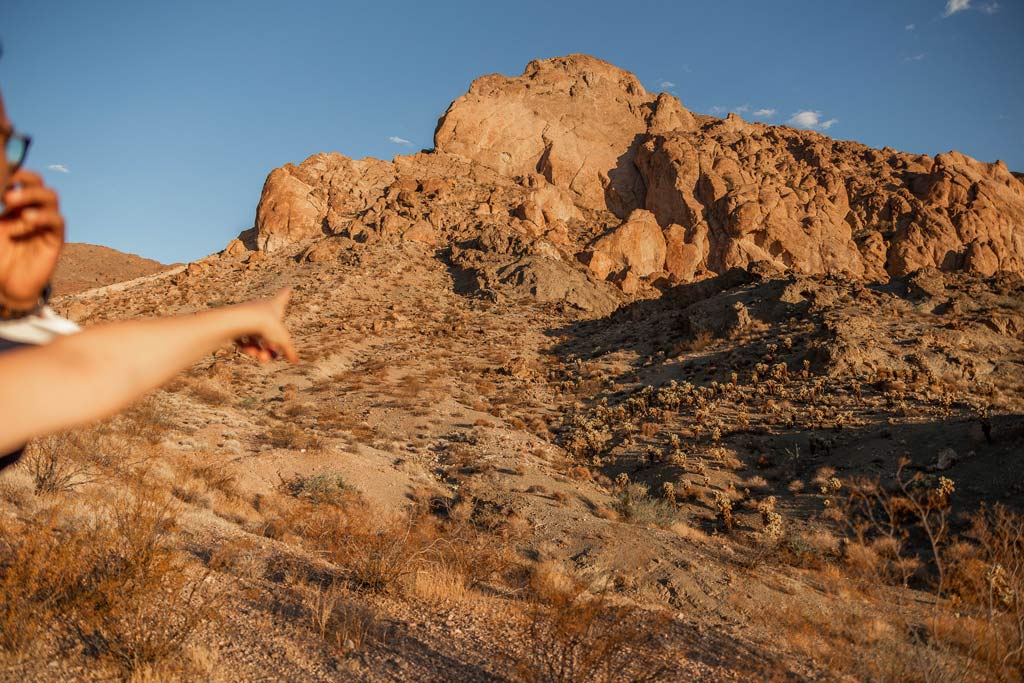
pixel 589 641
pixel 345 625
pixel 293 437
pixel 115 587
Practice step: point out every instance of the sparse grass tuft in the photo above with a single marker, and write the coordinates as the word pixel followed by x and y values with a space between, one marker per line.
pixel 589 641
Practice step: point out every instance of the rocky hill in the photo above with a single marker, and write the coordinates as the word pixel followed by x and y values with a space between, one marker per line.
pixel 573 163
pixel 85 266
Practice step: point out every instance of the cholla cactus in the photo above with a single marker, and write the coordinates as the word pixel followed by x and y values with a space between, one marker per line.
pixel 831 486
pixel 770 519
pixel 724 506
pixel 779 371
pixel 938 497
pixel 998 584
pixel 668 492
pixel 621 480
pixel 773 528
pixel 675 455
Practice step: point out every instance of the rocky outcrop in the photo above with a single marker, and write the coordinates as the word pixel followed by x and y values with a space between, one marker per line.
pixel 574 162
pixel 574 119
pixel 319 196
pixel 749 192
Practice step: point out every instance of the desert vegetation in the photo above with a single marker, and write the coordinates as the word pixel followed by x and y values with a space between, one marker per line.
pixel 517 450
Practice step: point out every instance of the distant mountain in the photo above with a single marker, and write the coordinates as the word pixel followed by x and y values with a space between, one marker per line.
pixel 85 266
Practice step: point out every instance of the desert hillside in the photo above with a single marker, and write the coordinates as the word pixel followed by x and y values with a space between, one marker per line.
pixel 598 389
pixel 85 266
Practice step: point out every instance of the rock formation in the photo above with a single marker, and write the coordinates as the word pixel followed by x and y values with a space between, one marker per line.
pixel 574 162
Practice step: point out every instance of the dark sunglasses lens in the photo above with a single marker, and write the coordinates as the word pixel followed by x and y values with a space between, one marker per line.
pixel 14 151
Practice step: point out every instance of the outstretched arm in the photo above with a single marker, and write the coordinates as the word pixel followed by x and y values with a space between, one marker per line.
pixel 94 374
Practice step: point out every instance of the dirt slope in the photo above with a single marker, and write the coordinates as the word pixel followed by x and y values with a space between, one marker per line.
pixel 84 266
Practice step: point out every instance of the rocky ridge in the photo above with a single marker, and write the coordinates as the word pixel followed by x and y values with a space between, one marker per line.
pixel 572 174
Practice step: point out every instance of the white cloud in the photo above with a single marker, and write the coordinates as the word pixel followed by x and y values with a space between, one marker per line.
pixel 666 84
pixel 910 27
pixel 743 109
pixel 954 6
pixel 717 109
pixel 60 168
pixel 764 113
pixel 805 119
pixel 399 141
pixel 915 58
pixel 811 119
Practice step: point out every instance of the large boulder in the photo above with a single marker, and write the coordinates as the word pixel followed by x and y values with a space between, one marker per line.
pixel 575 119
pixel 637 244
pixel 288 210
pixel 317 197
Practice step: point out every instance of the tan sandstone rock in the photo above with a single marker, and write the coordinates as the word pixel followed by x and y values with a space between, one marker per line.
pixel 682 258
pixel 548 159
pixel 574 118
pixel 637 244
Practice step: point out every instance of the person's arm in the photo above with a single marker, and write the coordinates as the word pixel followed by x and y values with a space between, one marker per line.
pixel 91 375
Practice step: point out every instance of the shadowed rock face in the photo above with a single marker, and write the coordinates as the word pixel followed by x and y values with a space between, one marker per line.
pixel 574 161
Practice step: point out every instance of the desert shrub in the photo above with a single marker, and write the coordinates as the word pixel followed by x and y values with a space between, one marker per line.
pixel 328 488
pixel 884 523
pixel 987 579
pixel 51 460
pixel 587 641
pixel 133 599
pixel 635 504
pixel 148 419
pixel 372 552
pixel 342 623
pixel 32 578
pixel 114 585
pixel 294 437
pixel 218 477
pixel 973 630
pixel 211 393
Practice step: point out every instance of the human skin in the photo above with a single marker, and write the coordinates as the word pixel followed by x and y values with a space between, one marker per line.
pixel 31 231
pixel 91 375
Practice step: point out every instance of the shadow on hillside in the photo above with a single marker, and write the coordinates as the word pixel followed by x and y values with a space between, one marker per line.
pixel 691 642
pixel 696 323
pixel 626 350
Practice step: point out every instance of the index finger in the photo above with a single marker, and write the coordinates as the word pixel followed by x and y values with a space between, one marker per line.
pixel 289 352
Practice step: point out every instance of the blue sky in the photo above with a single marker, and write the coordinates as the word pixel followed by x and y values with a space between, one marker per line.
pixel 158 121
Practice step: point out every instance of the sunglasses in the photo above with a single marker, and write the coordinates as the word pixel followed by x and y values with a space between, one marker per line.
pixel 16 149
